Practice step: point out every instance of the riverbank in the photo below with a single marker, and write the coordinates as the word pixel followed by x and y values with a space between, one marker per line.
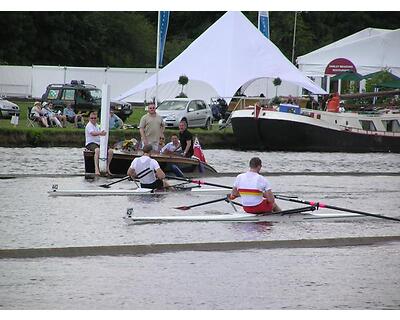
pixel 71 137
pixel 24 135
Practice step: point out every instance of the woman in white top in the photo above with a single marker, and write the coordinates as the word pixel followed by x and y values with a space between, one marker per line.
pixel 92 143
pixel 50 114
pixel 38 115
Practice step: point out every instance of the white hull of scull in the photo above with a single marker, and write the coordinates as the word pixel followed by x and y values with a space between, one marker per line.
pixel 239 217
pixel 132 192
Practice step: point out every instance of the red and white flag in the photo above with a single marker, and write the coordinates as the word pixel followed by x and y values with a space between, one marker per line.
pixel 198 152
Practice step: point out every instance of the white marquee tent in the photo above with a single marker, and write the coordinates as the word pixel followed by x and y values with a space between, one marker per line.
pixel 227 55
pixel 370 50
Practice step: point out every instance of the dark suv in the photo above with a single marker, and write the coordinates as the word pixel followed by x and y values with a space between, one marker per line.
pixel 83 98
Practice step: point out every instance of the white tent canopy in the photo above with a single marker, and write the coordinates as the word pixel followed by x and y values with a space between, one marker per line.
pixel 370 50
pixel 228 54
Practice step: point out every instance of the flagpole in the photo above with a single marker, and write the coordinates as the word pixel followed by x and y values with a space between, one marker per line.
pixel 294 35
pixel 157 56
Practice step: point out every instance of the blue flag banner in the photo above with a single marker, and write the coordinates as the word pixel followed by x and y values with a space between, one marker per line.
pixel 164 19
pixel 263 23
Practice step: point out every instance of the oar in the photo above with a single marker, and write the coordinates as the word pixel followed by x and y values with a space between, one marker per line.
pixel 199 182
pixel 109 184
pixel 200 204
pixel 231 203
pixel 322 205
pixel 210 184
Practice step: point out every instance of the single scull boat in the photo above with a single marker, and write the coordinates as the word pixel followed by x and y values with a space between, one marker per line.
pixel 131 192
pixel 286 215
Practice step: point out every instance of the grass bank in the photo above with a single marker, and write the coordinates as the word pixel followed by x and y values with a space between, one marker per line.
pixel 24 135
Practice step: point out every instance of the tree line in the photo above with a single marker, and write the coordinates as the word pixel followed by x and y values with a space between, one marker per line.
pixel 128 39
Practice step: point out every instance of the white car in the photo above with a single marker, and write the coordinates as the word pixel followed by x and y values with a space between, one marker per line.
pixel 8 109
pixel 195 112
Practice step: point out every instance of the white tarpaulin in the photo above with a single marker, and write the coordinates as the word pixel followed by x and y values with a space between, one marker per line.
pixel 227 55
pixel 370 50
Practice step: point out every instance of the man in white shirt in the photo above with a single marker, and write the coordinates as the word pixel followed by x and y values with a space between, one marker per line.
pixel 147 170
pixel 254 190
pixel 173 147
pixel 92 137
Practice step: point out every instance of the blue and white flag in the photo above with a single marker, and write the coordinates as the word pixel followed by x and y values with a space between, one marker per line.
pixel 263 23
pixel 164 19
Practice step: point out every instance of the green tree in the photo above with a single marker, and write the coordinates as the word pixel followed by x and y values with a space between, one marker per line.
pixel 128 39
pixel 277 82
pixel 183 81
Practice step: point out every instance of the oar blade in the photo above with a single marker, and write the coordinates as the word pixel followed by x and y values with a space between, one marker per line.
pixel 182 208
pixel 323 205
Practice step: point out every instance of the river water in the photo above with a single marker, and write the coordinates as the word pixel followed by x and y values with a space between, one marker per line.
pixel 345 277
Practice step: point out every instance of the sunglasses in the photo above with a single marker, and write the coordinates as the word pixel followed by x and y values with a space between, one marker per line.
pixel 93 118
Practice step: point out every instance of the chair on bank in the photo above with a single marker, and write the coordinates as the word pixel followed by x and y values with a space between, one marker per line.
pixel 30 119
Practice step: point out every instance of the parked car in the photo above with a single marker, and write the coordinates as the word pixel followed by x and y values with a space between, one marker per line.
pixel 195 112
pixel 83 97
pixel 8 109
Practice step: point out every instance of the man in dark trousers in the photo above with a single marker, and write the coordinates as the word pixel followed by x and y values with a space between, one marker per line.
pixel 186 140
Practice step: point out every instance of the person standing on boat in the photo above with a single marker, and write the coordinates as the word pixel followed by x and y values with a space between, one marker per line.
pixel 254 190
pixel 92 137
pixel 186 140
pixel 147 170
pixel 151 128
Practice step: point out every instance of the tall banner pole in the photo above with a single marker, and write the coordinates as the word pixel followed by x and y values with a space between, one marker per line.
pixel 105 117
pixel 157 57
pixel 263 26
pixel 294 35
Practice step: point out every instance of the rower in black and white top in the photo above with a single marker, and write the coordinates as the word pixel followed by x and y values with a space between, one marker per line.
pixel 147 170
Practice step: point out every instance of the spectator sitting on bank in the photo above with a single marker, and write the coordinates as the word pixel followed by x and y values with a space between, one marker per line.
pixel 38 115
pixel 72 117
pixel 115 121
pixel 50 114
pixel 59 115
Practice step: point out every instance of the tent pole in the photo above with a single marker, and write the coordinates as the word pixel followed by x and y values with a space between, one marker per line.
pixel 328 84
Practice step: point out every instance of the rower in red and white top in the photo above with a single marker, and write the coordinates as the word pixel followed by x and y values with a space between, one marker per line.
pixel 254 190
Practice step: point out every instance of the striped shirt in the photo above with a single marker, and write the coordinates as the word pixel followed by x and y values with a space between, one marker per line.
pixel 251 187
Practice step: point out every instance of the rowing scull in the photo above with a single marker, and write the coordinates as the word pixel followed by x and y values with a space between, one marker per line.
pixel 130 192
pixel 297 215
